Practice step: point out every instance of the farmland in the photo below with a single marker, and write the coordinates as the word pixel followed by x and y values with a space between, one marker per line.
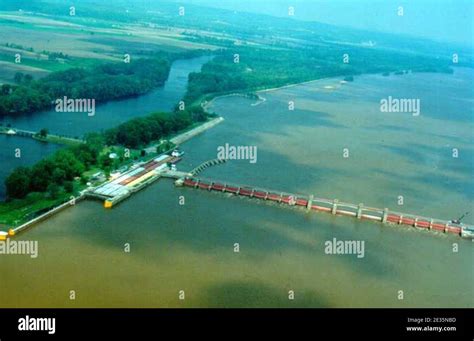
pixel 47 44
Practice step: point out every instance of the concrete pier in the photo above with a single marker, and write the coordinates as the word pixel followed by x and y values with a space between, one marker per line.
pixel 181 138
pixel 310 202
pixel 359 211
pixel 385 215
pixel 334 206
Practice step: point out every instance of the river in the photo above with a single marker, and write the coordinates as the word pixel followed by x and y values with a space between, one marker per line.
pixel 191 247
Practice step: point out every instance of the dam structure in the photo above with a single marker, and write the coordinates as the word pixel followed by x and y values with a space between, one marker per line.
pixel 138 177
pixel 142 174
pixel 331 206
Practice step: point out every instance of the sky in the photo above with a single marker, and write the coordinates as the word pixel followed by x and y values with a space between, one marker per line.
pixel 441 20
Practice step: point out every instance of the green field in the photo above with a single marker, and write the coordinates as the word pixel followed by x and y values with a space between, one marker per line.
pixel 86 43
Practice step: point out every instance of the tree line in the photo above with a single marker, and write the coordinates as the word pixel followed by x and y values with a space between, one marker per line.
pixel 246 68
pixel 52 174
pixel 58 172
pixel 103 82
pixel 143 130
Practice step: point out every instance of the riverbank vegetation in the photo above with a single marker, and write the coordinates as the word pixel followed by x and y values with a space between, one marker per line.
pixel 15 212
pixel 54 173
pixel 143 130
pixel 248 68
pixel 69 164
pixel 103 82
pixel 54 179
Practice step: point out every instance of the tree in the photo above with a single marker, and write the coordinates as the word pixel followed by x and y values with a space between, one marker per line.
pixel 41 175
pixel 53 190
pixel 105 161
pixel 95 141
pixel 27 78
pixel 68 186
pixel 59 175
pixel 66 160
pixel 6 89
pixel 84 179
pixel 43 133
pixel 18 78
pixel 18 183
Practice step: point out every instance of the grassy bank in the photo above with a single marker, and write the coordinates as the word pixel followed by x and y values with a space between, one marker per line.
pixel 19 211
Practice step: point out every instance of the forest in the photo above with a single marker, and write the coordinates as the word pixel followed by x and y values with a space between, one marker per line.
pixel 103 82
pixel 57 173
pixel 52 174
pixel 143 130
pixel 246 68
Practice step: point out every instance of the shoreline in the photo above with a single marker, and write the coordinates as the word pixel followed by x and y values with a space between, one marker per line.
pixel 177 140
pixel 187 135
pixel 260 99
pixel 204 126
